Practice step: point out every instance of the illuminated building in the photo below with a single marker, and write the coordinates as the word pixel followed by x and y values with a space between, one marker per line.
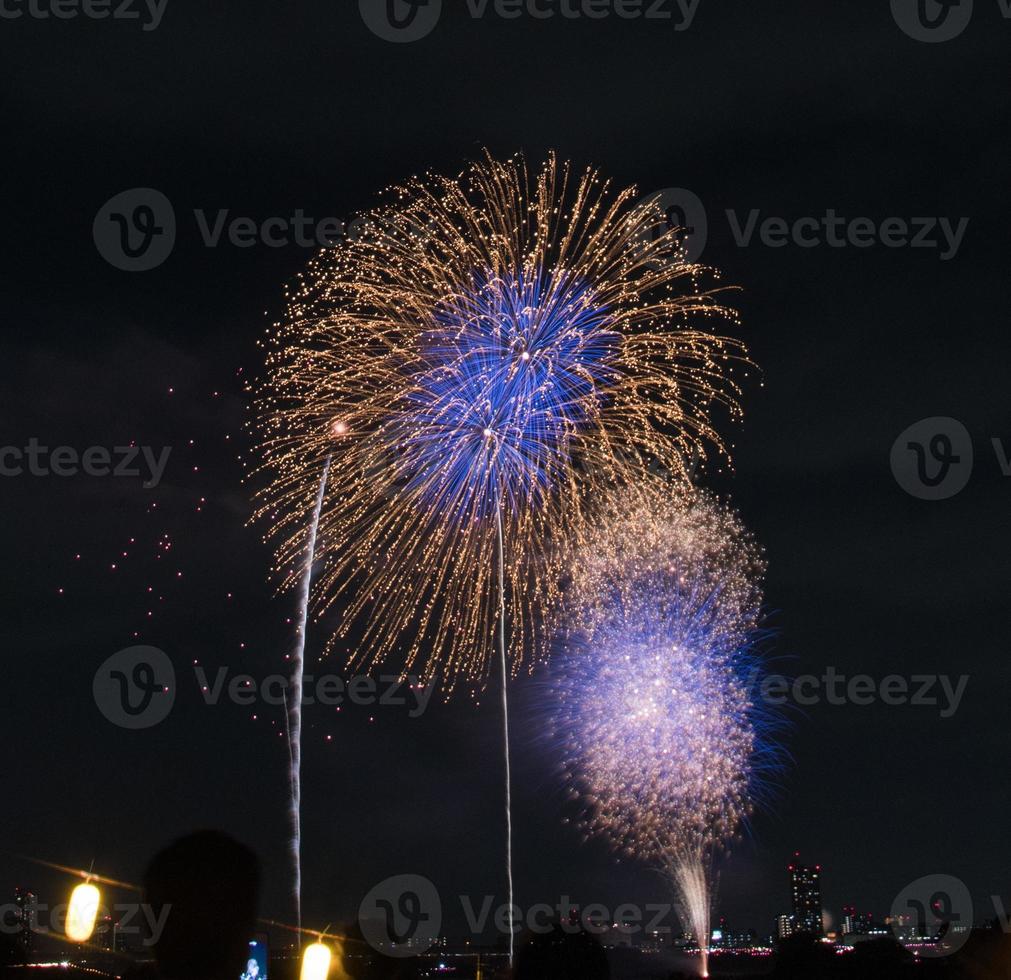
pixel 26 916
pixel 849 917
pixel 805 883
pixel 784 926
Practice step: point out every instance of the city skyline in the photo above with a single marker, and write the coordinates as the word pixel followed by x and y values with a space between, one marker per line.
pixel 639 926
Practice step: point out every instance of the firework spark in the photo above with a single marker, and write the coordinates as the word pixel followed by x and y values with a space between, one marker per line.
pixel 661 740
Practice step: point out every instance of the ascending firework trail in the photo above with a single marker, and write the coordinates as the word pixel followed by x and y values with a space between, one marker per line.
pixel 294 707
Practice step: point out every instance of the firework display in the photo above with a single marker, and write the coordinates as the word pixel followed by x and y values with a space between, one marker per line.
pixel 475 375
pixel 500 348
pixel 409 575
pixel 661 740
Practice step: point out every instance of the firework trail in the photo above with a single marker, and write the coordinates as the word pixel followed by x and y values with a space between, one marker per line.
pixel 494 354
pixel 294 709
pixel 661 740
pixel 505 720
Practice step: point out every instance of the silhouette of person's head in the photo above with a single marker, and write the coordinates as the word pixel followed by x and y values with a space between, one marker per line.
pixel 564 953
pixel 206 887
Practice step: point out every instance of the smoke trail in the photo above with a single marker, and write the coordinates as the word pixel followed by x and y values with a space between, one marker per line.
pixel 505 721
pixel 294 708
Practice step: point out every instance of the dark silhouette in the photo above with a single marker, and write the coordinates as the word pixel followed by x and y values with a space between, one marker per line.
pixel 211 884
pixel 9 948
pixel 986 956
pixel 564 953
pixel 12 945
pixel 803 957
pixel 884 957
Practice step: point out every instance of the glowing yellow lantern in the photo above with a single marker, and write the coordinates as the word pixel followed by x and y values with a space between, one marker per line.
pixel 316 962
pixel 82 912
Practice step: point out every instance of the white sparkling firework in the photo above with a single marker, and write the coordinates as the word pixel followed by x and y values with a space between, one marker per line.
pixel 661 741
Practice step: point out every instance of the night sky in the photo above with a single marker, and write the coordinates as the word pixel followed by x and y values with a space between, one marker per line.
pixel 263 108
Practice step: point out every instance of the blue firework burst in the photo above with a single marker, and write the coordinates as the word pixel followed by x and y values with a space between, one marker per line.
pixel 511 371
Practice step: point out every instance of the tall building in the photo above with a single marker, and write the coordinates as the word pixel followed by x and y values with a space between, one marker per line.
pixel 805 883
pixel 849 919
pixel 784 926
pixel 26 916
